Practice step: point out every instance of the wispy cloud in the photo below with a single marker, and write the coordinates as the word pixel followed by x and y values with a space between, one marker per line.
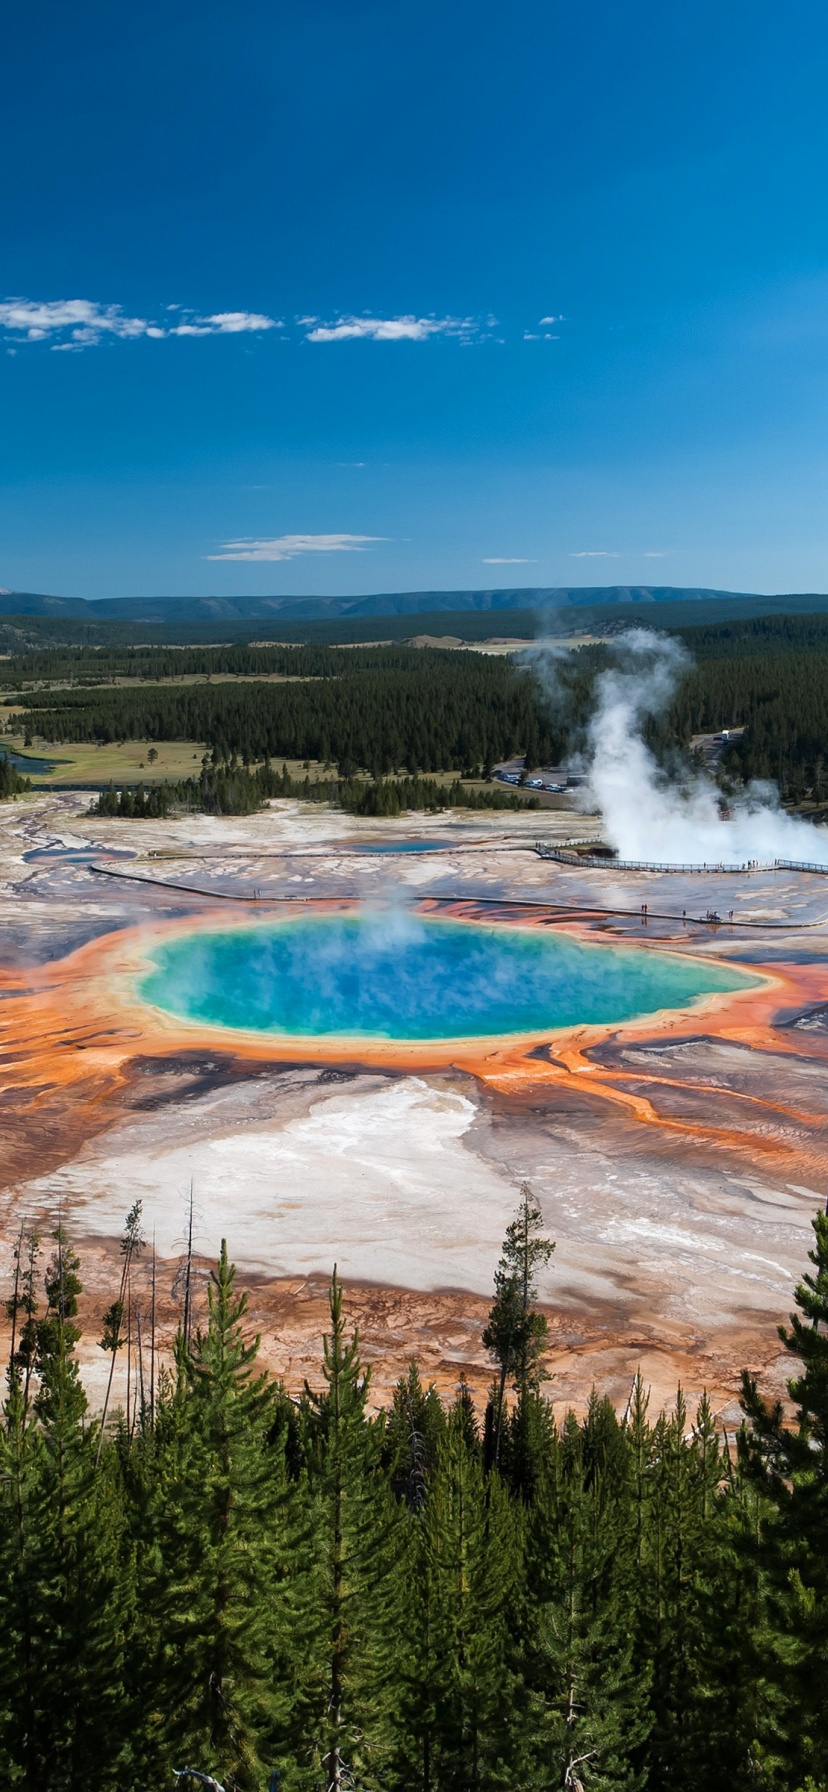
pixel 287 547
pixel 225 323
pixel 390 329
pixel 81 319
pixel 75 324
pixel 654 554
pixel 507 560
pixel 594 554
pixel 83 323
pixel 545 333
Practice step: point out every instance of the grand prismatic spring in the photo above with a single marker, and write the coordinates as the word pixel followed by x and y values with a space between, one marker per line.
pixel 358 1056
pixel 396 977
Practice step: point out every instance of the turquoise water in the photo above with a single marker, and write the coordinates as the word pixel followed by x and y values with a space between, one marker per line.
pixel 398 977
pixel 385 846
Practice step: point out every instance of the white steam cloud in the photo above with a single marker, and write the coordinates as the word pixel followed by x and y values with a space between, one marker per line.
pixel 389 919
pixel 646 813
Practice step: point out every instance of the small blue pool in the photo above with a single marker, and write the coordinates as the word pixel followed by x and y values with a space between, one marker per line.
pixel 388 846
pixel 77 855
pixel 28 766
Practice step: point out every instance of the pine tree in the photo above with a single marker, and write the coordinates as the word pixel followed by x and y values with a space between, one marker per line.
pixel 746 1715
pixel 527 1444
pixel 131 1244
pixel 415 1427
pixel 692 1584
pixel 68 1595
pixel 788 1465
pixel 18 1470
pixel 515 1335
pixel 457 1710
pixel 588 1692
pixel 210 1575
pixel 22 1310
pixel 358 1528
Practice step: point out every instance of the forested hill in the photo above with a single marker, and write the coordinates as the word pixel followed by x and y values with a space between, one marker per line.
pixel 293 1595
pixel 606 610
pixel 389 603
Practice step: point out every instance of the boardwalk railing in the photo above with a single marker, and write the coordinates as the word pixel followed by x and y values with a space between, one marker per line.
pixel 567 854
pixel 801 865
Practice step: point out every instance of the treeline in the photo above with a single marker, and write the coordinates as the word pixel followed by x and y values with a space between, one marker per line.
pixel 286 1593
pixel 257 649
pixel 227 788
pixel 234 660
pixel 428 712
pixel 32 634
pixel 757 635
pixel 28 634
pixel 89 667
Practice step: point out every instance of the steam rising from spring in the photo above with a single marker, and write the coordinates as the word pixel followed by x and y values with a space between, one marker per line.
pixel 674 820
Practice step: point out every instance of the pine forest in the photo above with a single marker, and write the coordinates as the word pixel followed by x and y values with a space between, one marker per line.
pixel 401 712
pixel 223 1583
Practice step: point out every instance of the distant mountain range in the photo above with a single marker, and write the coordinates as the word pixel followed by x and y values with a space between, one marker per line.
pixel 171 610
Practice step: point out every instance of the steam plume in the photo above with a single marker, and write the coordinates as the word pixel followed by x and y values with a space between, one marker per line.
pixel 649 815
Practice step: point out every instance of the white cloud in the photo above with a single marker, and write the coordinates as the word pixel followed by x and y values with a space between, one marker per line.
pixel 654 554
pixel 507 560
pixel 389 329
pixel 551 320
pixel 82 323
pixel 74 324
pixel 286 547
pixel 221 323
pixel 82 318
pixel 594 554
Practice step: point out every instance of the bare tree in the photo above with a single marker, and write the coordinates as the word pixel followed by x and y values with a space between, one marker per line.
pixel 131 1243
pixel 188 1279
pixel 152 1342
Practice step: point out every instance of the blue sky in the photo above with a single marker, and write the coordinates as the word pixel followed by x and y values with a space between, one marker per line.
pixel 306 297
